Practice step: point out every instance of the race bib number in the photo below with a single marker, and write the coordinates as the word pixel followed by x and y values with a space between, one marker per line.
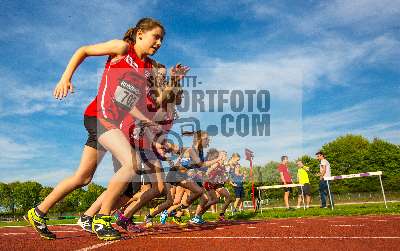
pixel 126 95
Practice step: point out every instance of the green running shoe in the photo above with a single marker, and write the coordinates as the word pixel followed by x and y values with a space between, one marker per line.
pixel 101 226
pixel 39 224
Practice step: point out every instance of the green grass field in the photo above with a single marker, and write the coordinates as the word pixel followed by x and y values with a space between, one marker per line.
pixel 342 210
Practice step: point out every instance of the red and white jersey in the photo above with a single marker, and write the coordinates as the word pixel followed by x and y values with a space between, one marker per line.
pixel 130 130
pixel 122 87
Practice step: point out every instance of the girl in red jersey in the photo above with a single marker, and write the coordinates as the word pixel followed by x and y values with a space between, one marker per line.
pixel 164 95
pixel 217 177
pixel 121 90
pixel 168 96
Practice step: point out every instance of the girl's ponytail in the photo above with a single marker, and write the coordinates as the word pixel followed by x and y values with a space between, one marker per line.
pixel 130 35
pixel 144 24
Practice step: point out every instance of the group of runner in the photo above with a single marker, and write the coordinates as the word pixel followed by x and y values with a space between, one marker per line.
pixel 130 117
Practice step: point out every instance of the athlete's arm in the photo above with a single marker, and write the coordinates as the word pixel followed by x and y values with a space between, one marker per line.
pixel 112 48
pixel 198 162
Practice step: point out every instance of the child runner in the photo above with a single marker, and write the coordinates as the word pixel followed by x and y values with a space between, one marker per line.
pixel 85 221
pixel 169 96
pixel 149 158
pixel 214 185
pixel 190 159
pixel 237 177
pixel 122 87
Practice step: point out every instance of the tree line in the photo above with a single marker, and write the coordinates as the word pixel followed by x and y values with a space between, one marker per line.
pixel 17 198
pixel 346 154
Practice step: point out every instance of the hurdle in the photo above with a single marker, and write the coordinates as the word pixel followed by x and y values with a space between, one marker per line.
pixel 356 175
pixel 280 186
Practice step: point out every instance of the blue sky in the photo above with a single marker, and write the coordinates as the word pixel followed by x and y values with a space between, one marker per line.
pixel 332 68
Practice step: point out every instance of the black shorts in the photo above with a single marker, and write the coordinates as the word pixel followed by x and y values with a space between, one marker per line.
pixel 94 129
pixel 287 189
pixel 306 189
pixel 239 191
pixel 135 185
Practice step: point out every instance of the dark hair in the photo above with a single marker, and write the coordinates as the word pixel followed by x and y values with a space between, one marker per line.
pixel 320 153
pixel 144 24
pixel 284 157
pixel 212 154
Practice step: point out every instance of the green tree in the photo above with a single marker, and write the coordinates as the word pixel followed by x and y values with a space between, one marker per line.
pixel 44 192
pixel 384 156
pixel 27 195
pixel 6 197
pixel 346 154
pixel 90 196
pixel 73 201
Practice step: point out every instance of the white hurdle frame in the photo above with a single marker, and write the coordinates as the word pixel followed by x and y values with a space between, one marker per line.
pixel 281 186
pixel 355 175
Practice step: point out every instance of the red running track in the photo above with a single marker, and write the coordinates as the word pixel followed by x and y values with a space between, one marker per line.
pixel 322 233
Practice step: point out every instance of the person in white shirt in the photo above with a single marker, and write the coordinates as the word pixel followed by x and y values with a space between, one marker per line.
pixel 324 171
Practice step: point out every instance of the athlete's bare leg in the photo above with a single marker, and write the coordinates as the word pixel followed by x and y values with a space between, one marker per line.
pixel 236 205
pixel 83 175
pixel 179 191
pixel 95 207
pixel 228 198
pixel 157 187
pixel 115 141
pixel 212 200
pixel 170 193
pixel 196 190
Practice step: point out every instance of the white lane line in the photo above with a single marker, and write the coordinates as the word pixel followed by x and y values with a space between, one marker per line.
pixel 56 231
pixel 251 227
pixel 345 225
pixel 219 228
pixel 286 226
pixel 381 220
pixel 66 231
pixel 100 245
pixel 14 233
pixel 276 237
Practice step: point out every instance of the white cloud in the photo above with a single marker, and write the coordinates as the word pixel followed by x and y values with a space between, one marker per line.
pixel 286 73
pixel 363 16
pixel 20 152
pixel 360 118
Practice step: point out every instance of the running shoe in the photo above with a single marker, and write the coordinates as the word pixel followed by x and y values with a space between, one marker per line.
pixel 85 222
pixel 186 212
pixel 221 218
pixel 178 221
pixel 198 220
pixel 148 221
pixel 39 224
pixel 101 226
pixel 127 223
pixel 164 217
